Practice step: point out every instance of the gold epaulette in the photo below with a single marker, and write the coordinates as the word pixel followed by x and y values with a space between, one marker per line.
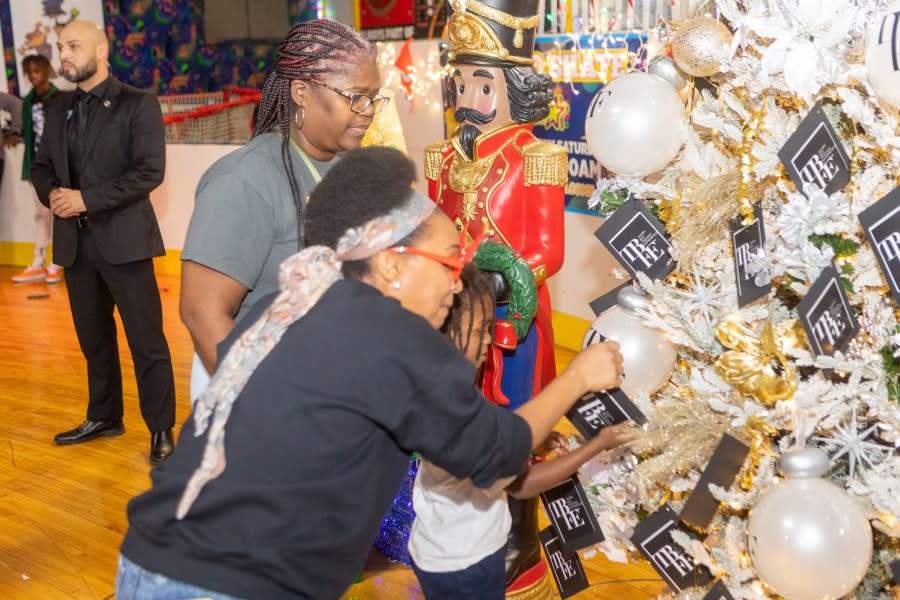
pixel 545 164
pixel 433 154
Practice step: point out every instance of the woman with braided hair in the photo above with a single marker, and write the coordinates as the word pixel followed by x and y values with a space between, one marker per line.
pixel 248 215
pixel 293 452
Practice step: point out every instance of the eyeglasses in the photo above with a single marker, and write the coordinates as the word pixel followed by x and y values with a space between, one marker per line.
pixel 359 103
pixel 454 263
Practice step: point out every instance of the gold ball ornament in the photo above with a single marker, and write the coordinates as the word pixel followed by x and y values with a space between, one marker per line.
pixel 699 46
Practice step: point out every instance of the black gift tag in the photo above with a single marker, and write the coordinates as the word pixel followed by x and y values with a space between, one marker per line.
pixel 653 538
pixel 826 316
pixel 596 410
pixel 607 300
pixel 721 470
pixel 746 240
pixel 568 509
pixel 814 154
pixel 637 240
pixel 881 222
pixel 718 592
pixel 568 573
pixel 895 571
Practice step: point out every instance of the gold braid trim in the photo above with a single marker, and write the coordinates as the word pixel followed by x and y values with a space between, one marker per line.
pixel 545 164
pixel 539 590
pixel 433 155
pixel 498 16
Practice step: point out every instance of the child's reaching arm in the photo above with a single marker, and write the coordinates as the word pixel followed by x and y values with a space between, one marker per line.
pixel 542 476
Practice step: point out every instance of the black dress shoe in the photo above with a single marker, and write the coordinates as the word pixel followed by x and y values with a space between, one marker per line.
pixel 161 446
pixel 88 431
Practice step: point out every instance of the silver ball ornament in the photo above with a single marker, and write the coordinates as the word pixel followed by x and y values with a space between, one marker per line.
pixel 807 538
pixel 664 67
pixel 647 356
pixel 699 46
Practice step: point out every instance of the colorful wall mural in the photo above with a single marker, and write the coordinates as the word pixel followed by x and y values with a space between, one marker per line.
pixel 159 45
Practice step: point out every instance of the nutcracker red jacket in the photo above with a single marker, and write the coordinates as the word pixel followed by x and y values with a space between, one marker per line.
pixel 317 446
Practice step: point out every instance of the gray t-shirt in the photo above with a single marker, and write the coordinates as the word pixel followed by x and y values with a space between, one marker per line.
pixel 244 223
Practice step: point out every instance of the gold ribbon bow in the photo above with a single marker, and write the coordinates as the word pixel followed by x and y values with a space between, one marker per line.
pixel 761 435
pixel 759 367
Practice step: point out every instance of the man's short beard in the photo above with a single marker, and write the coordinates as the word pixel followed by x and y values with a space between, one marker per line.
pixel 467 136
pixel 82 74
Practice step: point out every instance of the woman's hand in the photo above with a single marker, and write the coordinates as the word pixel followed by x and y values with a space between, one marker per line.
pixel 599 366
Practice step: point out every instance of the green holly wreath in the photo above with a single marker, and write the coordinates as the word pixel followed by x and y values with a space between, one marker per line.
pixel 522 307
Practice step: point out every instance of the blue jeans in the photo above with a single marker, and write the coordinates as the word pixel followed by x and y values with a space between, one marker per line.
pixel 134 582
pixel 485 580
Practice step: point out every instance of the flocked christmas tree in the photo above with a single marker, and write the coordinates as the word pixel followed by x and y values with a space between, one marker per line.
pixel 751 370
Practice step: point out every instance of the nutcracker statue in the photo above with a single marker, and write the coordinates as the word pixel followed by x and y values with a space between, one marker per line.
pixel 498 182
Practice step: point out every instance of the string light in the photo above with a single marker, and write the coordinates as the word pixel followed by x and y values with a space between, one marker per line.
pixel 595 48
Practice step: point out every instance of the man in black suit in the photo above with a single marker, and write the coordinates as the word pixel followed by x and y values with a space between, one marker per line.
pixel 103 152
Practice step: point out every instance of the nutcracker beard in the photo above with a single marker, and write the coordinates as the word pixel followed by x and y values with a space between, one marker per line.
pixel 469 132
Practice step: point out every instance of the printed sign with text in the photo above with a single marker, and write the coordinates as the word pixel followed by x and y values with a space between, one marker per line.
pixel 568 572
pixel 572 517
pixel 814 155
pixel 653 538
pixel 637 240
pixel 826 316
pixel 746 241
pixel 881 222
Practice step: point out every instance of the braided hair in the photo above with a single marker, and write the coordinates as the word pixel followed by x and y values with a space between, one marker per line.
pixel 309 49
pixel 460 324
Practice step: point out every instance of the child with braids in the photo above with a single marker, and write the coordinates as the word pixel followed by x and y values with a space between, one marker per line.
pixel 249 211
pixel 457 543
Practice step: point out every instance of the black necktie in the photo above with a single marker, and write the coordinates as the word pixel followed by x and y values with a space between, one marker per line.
pixel 77 132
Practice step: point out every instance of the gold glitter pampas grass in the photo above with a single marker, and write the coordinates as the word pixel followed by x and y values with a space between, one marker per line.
pixel 705 212
pixel 682 437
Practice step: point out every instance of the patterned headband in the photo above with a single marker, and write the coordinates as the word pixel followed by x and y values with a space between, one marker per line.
pixel 303 279
pixel 363 242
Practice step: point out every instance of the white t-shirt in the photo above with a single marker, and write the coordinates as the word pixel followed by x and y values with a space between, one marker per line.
pixel 457 524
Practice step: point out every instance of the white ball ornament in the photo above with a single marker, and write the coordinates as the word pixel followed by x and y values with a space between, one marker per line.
pixel 883 55
pixel 647 356
pixel 807 538
pixel 634 125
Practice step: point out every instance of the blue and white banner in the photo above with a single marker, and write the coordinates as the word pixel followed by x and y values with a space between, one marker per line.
pixel 580 66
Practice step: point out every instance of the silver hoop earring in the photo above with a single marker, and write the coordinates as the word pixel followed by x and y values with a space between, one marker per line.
pixel 302 112
pixel 395 285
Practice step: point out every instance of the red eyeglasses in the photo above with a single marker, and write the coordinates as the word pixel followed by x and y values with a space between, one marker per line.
pixel 454 263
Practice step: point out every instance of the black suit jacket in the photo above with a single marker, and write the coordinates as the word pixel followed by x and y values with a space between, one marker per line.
pixel 124 160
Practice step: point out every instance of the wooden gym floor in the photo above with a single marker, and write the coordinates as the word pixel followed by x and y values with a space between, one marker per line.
pixel 62 509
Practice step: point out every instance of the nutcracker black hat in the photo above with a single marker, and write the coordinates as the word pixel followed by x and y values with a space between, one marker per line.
pixel 497 33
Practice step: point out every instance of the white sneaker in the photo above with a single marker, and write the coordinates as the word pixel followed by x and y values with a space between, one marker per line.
pixel 54 274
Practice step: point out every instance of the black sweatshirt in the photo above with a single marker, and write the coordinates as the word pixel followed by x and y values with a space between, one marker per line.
pixel 317 446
